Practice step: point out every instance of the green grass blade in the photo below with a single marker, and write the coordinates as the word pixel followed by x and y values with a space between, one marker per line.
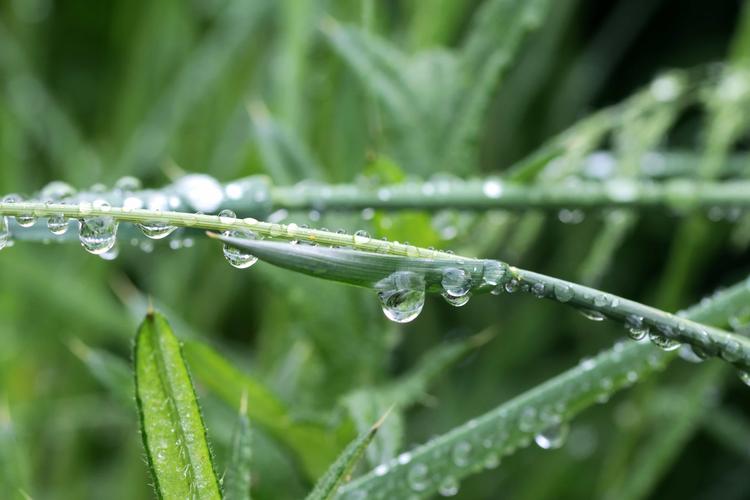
pixel 237 478
pixel 112 372
pixel 479 443
pixel 171 423
pixel 341 469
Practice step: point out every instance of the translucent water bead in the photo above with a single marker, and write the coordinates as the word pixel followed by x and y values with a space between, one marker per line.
pixel 456 285
pixel 156 229
pixel 402 296
pixel 239 257
pixel 98 234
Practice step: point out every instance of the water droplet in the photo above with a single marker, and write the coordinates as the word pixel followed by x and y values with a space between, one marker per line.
pixel 512 286
pixel 25 220
pixel 493 272
pixel 601 300
pixel 57 224
pixel 563 292
pixel 127 184
pixel 637 330
pixel 492 188
pixel 417 477
pixel 381 470
pixel 156 230
pixel 662 341
pixel 98 234
pixel 744 376
pixel 552 437
pixel 731 351
pixel 462 453
pixel 402 296
pixel 592 315
pixel 4 232
pixel 456 282
pixel 239 257
pixel 691 354
pixel 404 458
pixel 227 217
pixel 361 237
pixel 456 301
pixel 539 290
pixel 448 486
pixel 527 420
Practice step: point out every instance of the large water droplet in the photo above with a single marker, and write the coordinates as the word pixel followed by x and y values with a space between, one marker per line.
pixel 456 282
pixel 456 301
pixel 402 296
pixel 552 437
pixel 637 330
pixel 418 477
pixel 4 233
pixel 239 257
pixel 156 230
pixel 448 486
pixel 57 224
pixel 98 234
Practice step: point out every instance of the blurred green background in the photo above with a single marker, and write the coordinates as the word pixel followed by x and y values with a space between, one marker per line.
pixel 91 91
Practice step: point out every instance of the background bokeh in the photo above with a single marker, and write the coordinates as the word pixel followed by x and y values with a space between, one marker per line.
pixel 92 91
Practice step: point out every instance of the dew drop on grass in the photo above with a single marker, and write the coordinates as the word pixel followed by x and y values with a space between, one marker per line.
pixel 744 376
pixel 448 487
pixel 25 220
pixel 227 217
pixel 361 237
pixel 402 296
pixel 662 341
pixel 563 292
pixel 239 257
pixel 691 354
pixel 731 351
pixel 4 233
pixel 539 290
pixel 462 453
pixel 156 230
pixel 456 282
pixel 512 286
pixel 418 477
pixel 98 234
pixel 552 437
pixel 592 315
pixel 381 470
pixel 456 301
pixel 57 224
pixel 637 330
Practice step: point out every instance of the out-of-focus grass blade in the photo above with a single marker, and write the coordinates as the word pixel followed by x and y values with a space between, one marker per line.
pixel 111 371
pixel 313 443
pixel 341 469
pixel 171 423
pixel 13 474
pixel 237 478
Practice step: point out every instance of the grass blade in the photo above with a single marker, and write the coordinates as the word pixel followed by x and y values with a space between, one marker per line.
pixel 440 463
pixel 171 423
pixel 341 469
pixel 237 478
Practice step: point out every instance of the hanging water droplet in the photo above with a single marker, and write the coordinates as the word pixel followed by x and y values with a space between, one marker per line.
pixel 239 257
pixel 512 286
pixel 111 254
pixel 662 341
pixel 57 224
pixel 744 376
pixel 417 477
pixel 456 301
pixel 527 420
pixel 156 230
pixel 461 453
pixel 539 290
pixel 601 300
pixel 402 296
pixel 592 315
pixel 493 272
pixel 98 234
pixel 5 238
pixel 25 220
pixel 448 486
pixel 691 354
pixel 456 282
pixel 637 330
pixel 552 437
pixel 563 292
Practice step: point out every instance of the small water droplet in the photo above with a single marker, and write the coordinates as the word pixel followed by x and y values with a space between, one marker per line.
pixel 492 461
pixel 637 330
pixel 381 470
pixel 404 458
pixel 512 286
pixel 563 292
pixel 456 301
pixel 592 314
pixel 98 234
pixel 156 230
pixel 601 300
pixel 662 341
pixel 402 296
pixel 239 257
pixel 57 224
pixel 539 290
pixel 227 217
pixel 462 453
pixel 527 419
pixel 448 486
pixel 456 282
pixel 731 351
pixel 361 237
pixel 492 188
pixel 493 272
pixel 744 376
pixel 552 437
pixel 417 477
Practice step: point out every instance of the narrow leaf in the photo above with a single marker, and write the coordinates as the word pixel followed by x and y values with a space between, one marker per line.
pixel 171 423
pixel 341 469
pixel 237 478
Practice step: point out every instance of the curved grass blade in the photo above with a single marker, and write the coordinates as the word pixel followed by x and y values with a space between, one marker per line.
pixel 342 468
pixel 237 478
pixel 480 443
pixel 171 423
